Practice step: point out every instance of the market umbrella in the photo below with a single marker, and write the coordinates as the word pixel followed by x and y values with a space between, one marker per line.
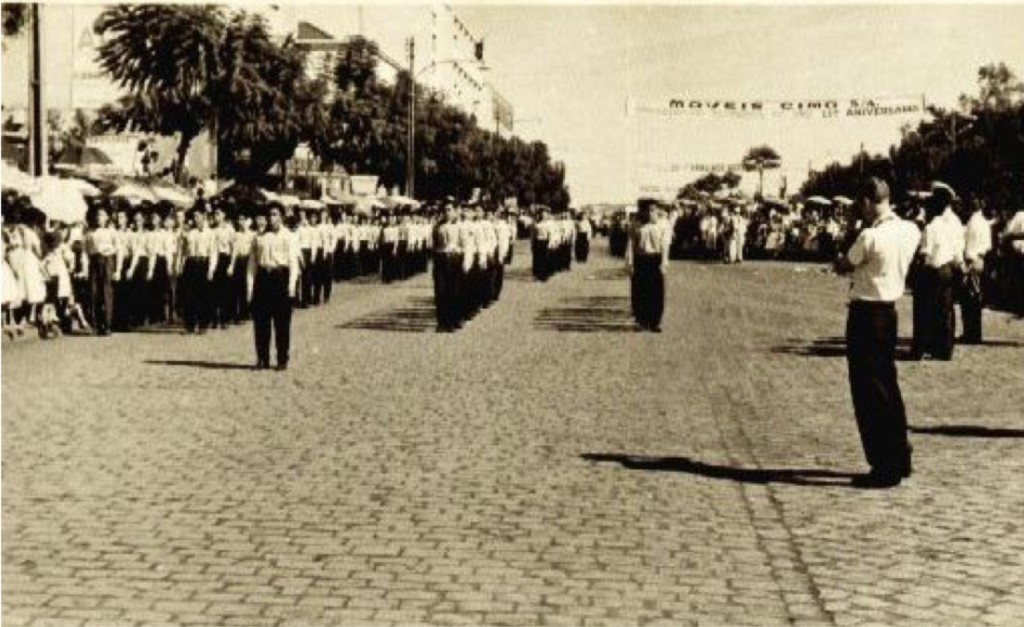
pixel 818 200
pixel 172 194
pixel 309 203
pixel 14 179
pixel 135 193
pixel 842 200
pixel 85 187
pixel 402 201
pixel 288 200
pixel 60 199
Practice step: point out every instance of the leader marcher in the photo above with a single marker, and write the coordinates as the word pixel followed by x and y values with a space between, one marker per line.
pixel 879 260
pixel 647 261
pixel 273 276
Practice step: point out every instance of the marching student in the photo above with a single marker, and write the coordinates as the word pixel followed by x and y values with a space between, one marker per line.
pixel 647 261
pixel 273 274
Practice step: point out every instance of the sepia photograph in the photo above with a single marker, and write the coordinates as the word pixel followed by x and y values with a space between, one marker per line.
pixel 512 314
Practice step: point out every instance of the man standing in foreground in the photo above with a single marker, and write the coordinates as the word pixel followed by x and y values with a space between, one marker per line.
pixel 273 275
pixel 879 260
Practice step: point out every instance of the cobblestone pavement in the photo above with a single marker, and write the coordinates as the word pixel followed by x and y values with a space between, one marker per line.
pixel 545 466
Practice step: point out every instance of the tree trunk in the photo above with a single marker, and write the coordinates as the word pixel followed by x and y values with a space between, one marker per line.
pixel 179 165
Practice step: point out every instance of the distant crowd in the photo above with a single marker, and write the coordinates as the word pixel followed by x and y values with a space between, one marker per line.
pixel 734 230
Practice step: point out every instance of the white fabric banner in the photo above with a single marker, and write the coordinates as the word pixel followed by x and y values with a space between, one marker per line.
pixel 687 106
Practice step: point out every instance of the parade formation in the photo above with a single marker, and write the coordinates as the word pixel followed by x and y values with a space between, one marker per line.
pixel 306 323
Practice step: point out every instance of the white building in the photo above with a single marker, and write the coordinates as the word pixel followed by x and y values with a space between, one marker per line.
pixel 448 55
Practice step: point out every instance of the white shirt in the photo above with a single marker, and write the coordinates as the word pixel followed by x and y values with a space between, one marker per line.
pixel 943 240
pixel 881 257
pixel 1016 227
pixel 978 237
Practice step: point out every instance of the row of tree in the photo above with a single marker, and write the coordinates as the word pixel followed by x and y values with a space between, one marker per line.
pixel 186 69
pixel 977 148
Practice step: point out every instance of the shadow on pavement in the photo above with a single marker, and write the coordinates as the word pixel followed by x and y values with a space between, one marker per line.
pixel 209 365
pixel 968 431
pixel 590 314
pixel 833 347
pixel 996 344
pixel 606 274
pixel 417 316
pixel 760 476
pixel 519 275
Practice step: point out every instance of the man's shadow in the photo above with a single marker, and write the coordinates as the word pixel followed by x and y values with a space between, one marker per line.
pixel 206 365
pixel 829 347
pixel 757 476
pixel 968 431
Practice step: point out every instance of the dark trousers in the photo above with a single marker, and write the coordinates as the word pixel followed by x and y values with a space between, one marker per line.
pixel 317 277
pixel 971 305
pixel 239 289
pixel 159 291
pixel 877 401
pixel 101 274
pixel 647 289
pixel 222 292
pixel 327 266
pixel 138 295
pixel 123 298
pixel 446 290
pixel 403 263
pixel 306 278
pixel 582 247
pixel 271 312
pixel 934 314
pixel 499 279
pixel 389 262
pixel 540 260
pixel 196 287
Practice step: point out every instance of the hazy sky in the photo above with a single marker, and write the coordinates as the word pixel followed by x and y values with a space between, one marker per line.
pixel 572 68
pixel 569 69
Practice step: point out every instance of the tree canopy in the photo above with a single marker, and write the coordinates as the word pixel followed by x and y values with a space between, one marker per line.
pixel 195 68
pixel 978 149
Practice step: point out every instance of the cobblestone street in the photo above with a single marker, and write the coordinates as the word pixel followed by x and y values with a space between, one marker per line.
pixel 547 465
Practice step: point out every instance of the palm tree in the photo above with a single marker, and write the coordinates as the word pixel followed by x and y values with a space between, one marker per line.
pixel 761 158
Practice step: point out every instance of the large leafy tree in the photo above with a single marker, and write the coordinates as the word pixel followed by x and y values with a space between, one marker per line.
pixel 368 134
pixel 190 68
pixel 168 58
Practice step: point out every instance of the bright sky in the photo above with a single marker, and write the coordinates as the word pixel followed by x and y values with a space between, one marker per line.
pixel 572 68
pixel 569 69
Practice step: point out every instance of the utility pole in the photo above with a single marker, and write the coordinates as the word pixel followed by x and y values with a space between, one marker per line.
pixel 410 161
pixel 861 161
pixel 37 121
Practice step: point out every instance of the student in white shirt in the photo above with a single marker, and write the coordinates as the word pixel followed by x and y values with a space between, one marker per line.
pixel 273 274
pixel 977 244
pixel 942 251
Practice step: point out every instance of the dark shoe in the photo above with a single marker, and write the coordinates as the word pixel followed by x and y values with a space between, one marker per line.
pixel 655 329
pixel 877 480
pixel 262 365
pixel 282 366
pixel 908 462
